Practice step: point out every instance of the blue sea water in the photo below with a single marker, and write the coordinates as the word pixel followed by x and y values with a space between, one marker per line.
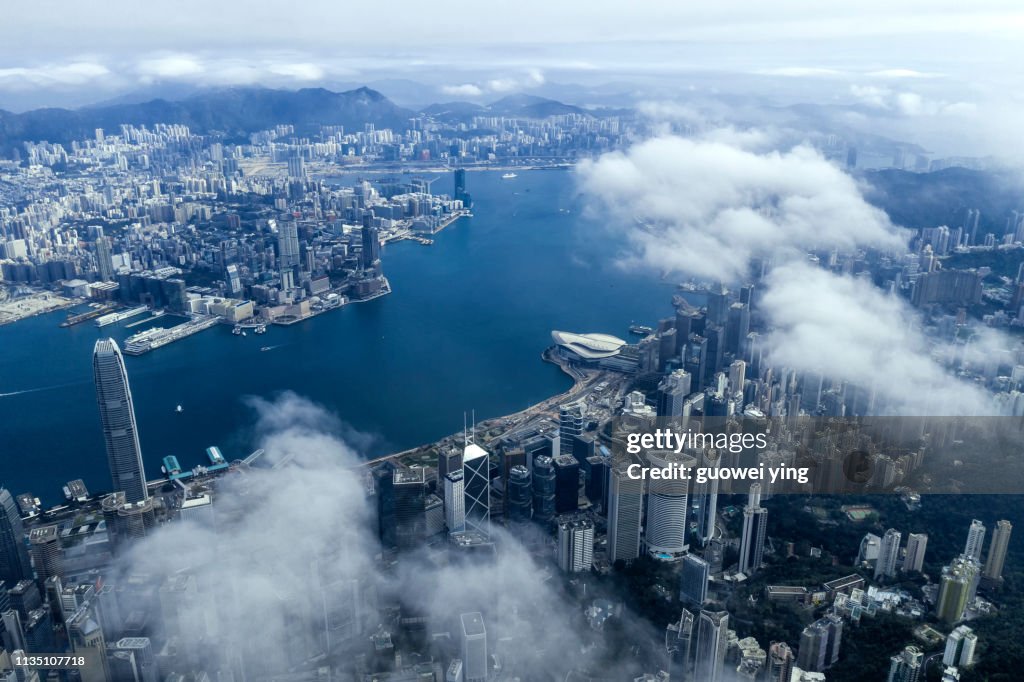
pixel 464 329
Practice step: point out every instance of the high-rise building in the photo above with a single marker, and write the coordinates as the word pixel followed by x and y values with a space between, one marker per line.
pixel 693 580
pixel 888 553
pixel 705 500
pixel 625 509
pixel 780 662
pixel 678 648
pixel 296 167
pixel 476 468
pixel 104 260
pixel 132 660
pixel 370 257
pixel 672 391
pixel 975 540
pixel 712 642
pixel 520 494
pixel 819 643
pixel 917 543
pixel 543 490
pixel 460 193
pixel 575 543
pixel 667 506
pixel 14 562
pixel 409 494
pixel 958 582
pixel 117 415
pixel 960 645
pixel 571 421
pixel 46 551
pixel 755 525
pixel 287 244
pixel 997 551
pixel 567 483
pixel 906 666
pixel 454 502
pixel 474 647
pixel 86 638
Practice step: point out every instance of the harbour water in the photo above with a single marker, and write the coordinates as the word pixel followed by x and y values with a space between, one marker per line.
pixel 464 329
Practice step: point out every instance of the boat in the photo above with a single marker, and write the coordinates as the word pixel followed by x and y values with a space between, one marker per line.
pixel 508 176
pixel 261 329
pixel 264 349
pixel 179 409
pixel 640 329
pixel 237 331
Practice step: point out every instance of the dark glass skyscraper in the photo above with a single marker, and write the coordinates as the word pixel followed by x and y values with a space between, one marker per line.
pixel 117 415
pixel 477 488
pixel 14 563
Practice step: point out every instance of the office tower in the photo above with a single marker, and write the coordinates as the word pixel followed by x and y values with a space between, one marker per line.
pixel 370 257
pixel 820 642
pixel 127 521
pixel 570 423
pixel 715 335
pixel 678 648
pixel 132 659
pixel 14 563
pixel 888 553
pixel 906 666
pixel 667 507
pixel 448 461
pixel 755 525
pixel 475 663
pixel 718 304
pixel 234 279
pixel 104 260
pixel 672 391
pixel 975 540
pixel 46 551
pixel 117 415
pixel 737 376
pixel 575 543
pixel 460 193
pixel 997 551
pixel 695 361
pixel 408 493
pixel 520 494
pixel 625 507
pixel 433 515
pixel 956 585
pixel 960 644
pixel 287 244
pixel 917 543
pixel 476 469
pixel 780 662
pixel 24 597
pixel 709 660
pixel 543 490
pixel 86 638
pixel 693 580
pixel 705 500
pixel 567 484
pixel 454 502
pixel 597 482
pixel 737 328
pixel 666 348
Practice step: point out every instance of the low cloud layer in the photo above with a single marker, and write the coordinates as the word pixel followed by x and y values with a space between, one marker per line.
pixel 709 206
pixel 291 570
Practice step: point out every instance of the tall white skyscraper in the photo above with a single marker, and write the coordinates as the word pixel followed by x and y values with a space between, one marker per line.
pixel 917 543
pixel 117 415
pixel 476 470
pixel 755 524
pixel 667 506
pixel 575 543
pixel 975 540
pixel 625 509
pixel 997 550
pixel 888 553
pixel 287 244
pixel 454 502
pixel 474 647
pixel 712 642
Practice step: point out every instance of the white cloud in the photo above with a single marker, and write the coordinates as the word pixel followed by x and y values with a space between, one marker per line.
pixel 171 66
pixel 51 75
pixel 464 90
pixel 532 79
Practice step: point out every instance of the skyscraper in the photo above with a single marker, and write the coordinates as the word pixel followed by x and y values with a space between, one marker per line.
pixel 625 509
pixel 370 258
pixel 117 415
pixel 672 391
pixel 888 553
pixel 46 551
pixel 678 648
pixel 780 662
pixel 712 642
pixel 575 543
pixel 906 666
pixel 755 524
pixel 474 647
pixel 520 494
pixel 820 642
pixel 570 423
pixel 693 580
pixel 14 563
pixel 454 502
pixel 960 644
pixel 476 468
pixel 543 490
pixel 666 527
pixel 997 551
pixel 104 261
pixel 705 500
pixel 567 483
pixel 955 588
pixel 975 540
pixel 917 543
pixel 287 244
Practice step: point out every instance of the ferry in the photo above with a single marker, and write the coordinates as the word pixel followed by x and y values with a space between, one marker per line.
pixel 640 329
pixel 508 176
pixel 261 329
pixel 179 409
pixel 237 331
